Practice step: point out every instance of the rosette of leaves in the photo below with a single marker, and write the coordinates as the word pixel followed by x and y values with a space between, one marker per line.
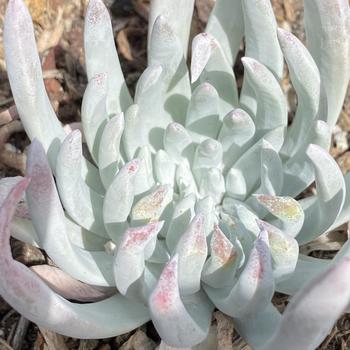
pixel 184 198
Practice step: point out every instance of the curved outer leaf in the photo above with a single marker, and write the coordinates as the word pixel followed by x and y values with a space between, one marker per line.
pixel 26 80
pixel 327 35
pixel 94 115
pixel 109 157
pixel 226 24
pixel 49 223
pixel 254 287
pixel 179 15
pixel 101 56
pixel 298 171
pixel 30 296
pixel 81 202
pixel 271 103
pixel 178 323
pixel 137 245
pixel 69 288
pixel 192 252
pixel 312 312
pixel 119 199
pixel 306 81
pixel 330 187
pixel 260 35
pixel 209 64
pixel 166 49
pixel 235 136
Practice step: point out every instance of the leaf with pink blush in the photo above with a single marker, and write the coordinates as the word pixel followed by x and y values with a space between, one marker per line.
pixel 180 322
pixel 137 245
pixel 31 297
pixel 225 258
pixel 254 287
pixel 192 252
pixel 312 312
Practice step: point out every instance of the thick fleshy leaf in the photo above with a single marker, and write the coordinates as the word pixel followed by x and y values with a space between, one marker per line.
pixel 192 252
pixel 253 289
pixel 164 168
pixel 312 312
pixel 298 171
pixel 225 23
pixel 178 14
pixel 178 142
pixel 109 157
pixel 119 199
pixel 203 112
pixel 212 183
pixel 166 49
pixel 150 207
pixel 179 323
pixel 284 251
pixel 208 155
pixel 306 81
pixel 94 115
pixel 236 135
pixel 151 119
pixel 209 64
pixel 26 80
pixel 287 210
pixel 80 201
pixel 225 258
pixel 101 56
pixel 182 216
pixel 50 225
pixel 144 179
pixel 244 169
pixel 184 179
pixel 260 36
pixel 137 245
pixel 330 187
pixel 271 102
pixel 69 288
pixel 30 296
pixel 327 36
pixel 258 329
pixel 206 207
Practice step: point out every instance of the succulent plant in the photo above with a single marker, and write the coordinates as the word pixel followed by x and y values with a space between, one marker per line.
pixel 184 199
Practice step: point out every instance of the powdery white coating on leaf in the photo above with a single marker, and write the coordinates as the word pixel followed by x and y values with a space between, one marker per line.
pixel 151 206
pixel 312 312
pixel 192 251
pixel 166 293
pixel 33 298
